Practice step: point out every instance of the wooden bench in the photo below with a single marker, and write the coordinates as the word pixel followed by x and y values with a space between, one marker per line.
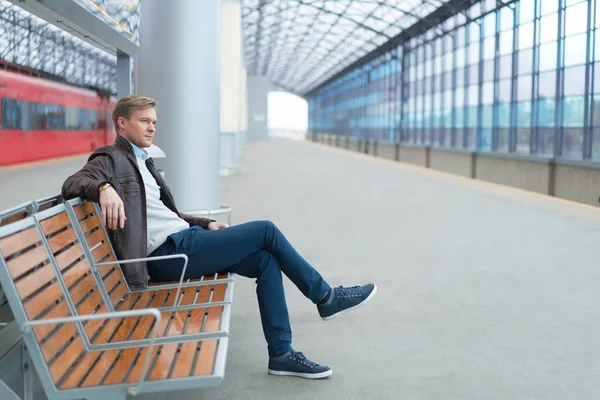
pixel 87 334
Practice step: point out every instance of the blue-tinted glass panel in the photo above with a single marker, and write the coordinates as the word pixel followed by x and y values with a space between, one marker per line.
pixel 573 110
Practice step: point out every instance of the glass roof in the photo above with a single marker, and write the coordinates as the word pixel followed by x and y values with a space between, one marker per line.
pixel 299 44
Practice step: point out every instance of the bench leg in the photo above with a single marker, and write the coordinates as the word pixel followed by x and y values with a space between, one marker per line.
pixel 27 376
pixel 7 393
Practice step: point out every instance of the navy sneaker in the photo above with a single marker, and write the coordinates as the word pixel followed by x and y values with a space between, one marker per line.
pixel 344 299
pixel 296 364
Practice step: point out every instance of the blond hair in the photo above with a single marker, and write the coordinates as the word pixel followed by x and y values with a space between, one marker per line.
pixel 128 104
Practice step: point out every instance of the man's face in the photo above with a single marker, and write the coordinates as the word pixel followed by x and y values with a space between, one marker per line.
pixel 140 128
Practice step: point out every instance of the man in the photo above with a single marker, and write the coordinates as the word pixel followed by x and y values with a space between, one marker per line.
pixel 140 212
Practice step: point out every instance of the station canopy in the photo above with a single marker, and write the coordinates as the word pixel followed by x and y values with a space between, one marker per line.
pixel 299 44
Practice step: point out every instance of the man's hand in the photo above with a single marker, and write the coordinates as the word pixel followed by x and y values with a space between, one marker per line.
pixel 215 226
pixel 113 210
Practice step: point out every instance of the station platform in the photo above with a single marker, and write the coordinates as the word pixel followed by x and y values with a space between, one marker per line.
pixel 485 291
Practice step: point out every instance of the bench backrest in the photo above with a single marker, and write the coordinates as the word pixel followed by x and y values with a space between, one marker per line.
pixel 34 292
pixel 90 226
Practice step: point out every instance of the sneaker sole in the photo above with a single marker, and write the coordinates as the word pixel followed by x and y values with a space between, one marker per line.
pixel 363 303
pixel 320 375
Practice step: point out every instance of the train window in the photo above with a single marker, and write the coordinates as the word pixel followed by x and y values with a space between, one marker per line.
pixel 24 115
pixel 14 114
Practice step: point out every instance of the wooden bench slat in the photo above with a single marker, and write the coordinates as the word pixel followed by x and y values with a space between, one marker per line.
pixel 34 281
pixel 66 359
pixel 23 263
pixel 188 350
pixel 103 365
pixel 183 367
pixel 42 331
pixel 136 371
pixel 57 340
pixel 36 305
pixel 197 314
pixel 96 237
pixel 90 223
pixel 55 223
pixel 13 218
pixel 84 209
pixel 112 281
pixel 82 289
pixel 164 362
pixel 118 293
pixel 181 316
pixel 68 257
pixel 76 272
pixel 62 240
pixel 101 252
pixel 16 242
pixel 208 348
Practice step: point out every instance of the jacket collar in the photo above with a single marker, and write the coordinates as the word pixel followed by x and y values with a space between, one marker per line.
pixel 125 145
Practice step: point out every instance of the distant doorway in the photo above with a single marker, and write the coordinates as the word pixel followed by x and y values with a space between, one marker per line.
pixel 288 115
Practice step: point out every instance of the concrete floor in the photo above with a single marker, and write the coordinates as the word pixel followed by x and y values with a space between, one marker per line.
pixel 485 292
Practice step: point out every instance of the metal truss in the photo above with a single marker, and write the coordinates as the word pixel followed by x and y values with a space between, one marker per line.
pixel 299 44
pixel 29 41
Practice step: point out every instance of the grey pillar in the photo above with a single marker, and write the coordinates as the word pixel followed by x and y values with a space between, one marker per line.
pixel 123 74
pixel 258 91
pixel 178 64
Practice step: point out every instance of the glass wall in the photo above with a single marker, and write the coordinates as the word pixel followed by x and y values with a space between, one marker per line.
pixel 517 78
pixel 362 104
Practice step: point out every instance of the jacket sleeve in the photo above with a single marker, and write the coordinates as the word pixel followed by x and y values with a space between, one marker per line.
pixel 86 182
pixel 193 221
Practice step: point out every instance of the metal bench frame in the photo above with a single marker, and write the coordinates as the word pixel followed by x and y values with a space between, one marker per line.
pixel 118 391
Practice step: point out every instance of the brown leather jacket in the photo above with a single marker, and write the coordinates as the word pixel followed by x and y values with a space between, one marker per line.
pixel 117 165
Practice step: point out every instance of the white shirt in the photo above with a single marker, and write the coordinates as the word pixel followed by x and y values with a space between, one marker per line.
pixel 161 221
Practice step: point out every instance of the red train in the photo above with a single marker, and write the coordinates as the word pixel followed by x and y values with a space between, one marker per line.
pixel 42 119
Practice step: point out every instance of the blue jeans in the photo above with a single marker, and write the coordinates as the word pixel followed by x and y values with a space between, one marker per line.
pixel 254 250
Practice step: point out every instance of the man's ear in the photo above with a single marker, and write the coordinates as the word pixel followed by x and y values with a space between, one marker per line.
pixel 121 122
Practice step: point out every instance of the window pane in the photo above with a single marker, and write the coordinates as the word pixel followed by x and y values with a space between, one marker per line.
pixel 488 70
pixel 506 19
pixel 573 111
pixel 576 19
pixel 573 142
pixel 460 57
pixel 526 36
pixel 547 85
pixel 526 10
pixel 525 62
pixel 523 137
pixel 546 109
pixel 548 57
pixel 488 93
pixel 549 27
pixel 549 6
pixel 524 88
pixel 489 48
pixel 506 66
pixel 504 91
pixel 575 48
pixel 506 42
pixel 545 141
pixel 489 21
pixel 574 81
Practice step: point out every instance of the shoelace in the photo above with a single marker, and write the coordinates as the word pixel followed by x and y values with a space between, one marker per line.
pixel 301 358
pixel 352 291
